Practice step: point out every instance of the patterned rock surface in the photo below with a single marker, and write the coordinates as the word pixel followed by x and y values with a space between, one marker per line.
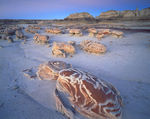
pixel 54 31
pixel 75 32
pixel 41 39
pixel 91 97
pixel 82 15
pixel 49 70
pixel 92 47
pixel 62 49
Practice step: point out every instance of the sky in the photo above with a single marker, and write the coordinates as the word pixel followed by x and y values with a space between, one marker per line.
pixel 59 9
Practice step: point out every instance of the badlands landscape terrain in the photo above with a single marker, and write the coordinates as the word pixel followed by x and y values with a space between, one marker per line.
pixel 114 47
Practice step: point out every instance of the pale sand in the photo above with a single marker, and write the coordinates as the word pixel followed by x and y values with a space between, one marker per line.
pixel 126 65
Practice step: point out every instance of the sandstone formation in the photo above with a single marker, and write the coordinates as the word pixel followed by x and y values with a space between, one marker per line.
pixel 99 36
pixel 30 31
pixel 92 47
pixel 75 32
pixel 41 39
pixel 62 49
pixel 92 31
pixel 126 14
pixel 117 34
pixel 90 96
pixel 54 31
pixel 50 70
pixel 34 27
pixel 109 14
pixel 80 16
pixel 102 32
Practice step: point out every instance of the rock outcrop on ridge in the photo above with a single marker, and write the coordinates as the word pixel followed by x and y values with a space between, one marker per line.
pixel 126 14
pixel 80 16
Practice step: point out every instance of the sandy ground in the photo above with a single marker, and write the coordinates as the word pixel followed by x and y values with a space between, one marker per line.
pixel 126 65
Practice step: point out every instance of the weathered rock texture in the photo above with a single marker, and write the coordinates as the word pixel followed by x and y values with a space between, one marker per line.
pixel 117 34
pixel 75 32
pixel 34 27
pixel 92 32
pixel 54 31
pixel 62 49
pixel 109 14
pixel 103 32
pixel 41 39
pixel 50 70
pixel 30 31
pixel 90 96
pixel 80 16
pixel 92 47
pixel 126 14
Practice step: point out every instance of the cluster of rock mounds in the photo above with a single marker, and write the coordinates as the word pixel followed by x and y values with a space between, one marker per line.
pixel 79 94
pixel 100 33
pixel 113 14
pixel 63 49
pixel 7 32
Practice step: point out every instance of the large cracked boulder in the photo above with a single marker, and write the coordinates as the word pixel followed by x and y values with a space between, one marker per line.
pixel 79 92
pixel 62 49
pixel 92 47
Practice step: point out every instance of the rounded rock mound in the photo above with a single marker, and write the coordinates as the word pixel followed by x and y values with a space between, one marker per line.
pixel 89 96
pixel 50 70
